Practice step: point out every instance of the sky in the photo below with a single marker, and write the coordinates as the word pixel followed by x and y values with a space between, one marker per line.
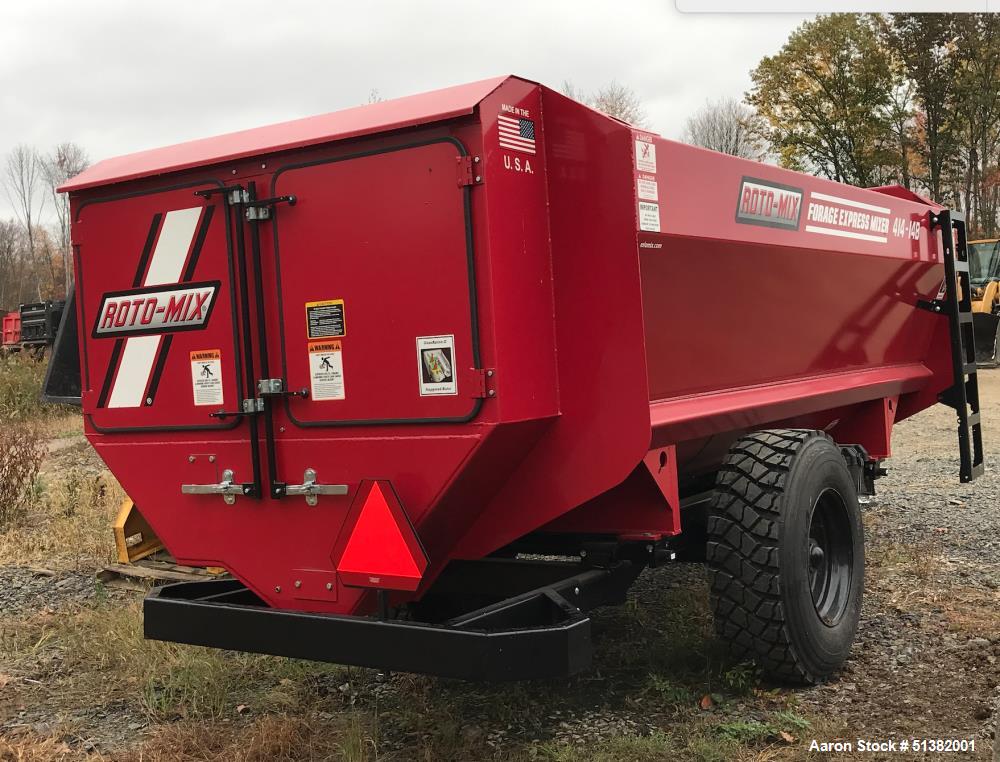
pixel 117 76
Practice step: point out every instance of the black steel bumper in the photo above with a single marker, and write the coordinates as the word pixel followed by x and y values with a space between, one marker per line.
pixel 537 634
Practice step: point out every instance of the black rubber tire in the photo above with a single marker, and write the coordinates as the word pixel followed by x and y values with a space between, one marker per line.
pixel 758 554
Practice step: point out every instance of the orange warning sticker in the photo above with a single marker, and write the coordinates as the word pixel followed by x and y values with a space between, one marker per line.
pixel 206 377
pixel 326 370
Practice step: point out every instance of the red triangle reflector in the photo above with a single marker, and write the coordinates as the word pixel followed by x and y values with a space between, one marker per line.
pixel 378 546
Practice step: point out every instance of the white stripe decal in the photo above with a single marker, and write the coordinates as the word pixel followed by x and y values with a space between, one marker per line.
pixel 846 234
pixel 165 266
pixel 848 202
pixel 172 246
pixel 133 372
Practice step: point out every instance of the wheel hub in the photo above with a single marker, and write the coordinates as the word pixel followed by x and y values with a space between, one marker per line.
pixel 831 556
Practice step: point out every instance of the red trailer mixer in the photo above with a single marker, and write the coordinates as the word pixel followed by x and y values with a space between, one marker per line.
pixel 381 364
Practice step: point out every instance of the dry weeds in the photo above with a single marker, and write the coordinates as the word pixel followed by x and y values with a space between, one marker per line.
pixel 69 523
pixel 21 452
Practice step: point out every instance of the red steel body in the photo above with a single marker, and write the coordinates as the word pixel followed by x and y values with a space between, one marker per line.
pixel 618 308
pixel 11 329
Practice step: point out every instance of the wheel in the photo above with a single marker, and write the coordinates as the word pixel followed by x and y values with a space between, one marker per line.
pixel 785 554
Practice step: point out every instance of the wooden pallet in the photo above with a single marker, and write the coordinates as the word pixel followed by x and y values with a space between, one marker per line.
pixel 155 569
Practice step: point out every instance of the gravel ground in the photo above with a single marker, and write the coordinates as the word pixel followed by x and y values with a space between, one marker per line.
pixel 925 661
pixel 35 589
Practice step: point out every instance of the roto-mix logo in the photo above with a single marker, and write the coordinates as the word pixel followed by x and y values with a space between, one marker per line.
pixel 769 204
pixel 183 307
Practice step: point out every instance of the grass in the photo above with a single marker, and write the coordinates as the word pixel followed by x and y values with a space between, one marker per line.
pixel 214 705
pixel 69 524
pixel 91 687
pixel 21 378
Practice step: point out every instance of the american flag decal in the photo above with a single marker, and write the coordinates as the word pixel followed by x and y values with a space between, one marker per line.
pixel 517 134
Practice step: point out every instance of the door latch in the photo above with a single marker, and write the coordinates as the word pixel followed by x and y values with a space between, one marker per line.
pixel 227 488
pixel 274 387
pixel 260 209
pixel 310 489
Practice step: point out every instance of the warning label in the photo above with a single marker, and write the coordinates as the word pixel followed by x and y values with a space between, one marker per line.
pixel 325 319
pixel 645 156
pixel 206 376
pixel 649 217
pixel 436 365
pixel 326 370
pixel 647 189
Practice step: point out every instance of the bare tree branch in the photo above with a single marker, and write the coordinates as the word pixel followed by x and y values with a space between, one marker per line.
pixel 22 181
pixel 726 126
pixel 614 99
pixel 65 161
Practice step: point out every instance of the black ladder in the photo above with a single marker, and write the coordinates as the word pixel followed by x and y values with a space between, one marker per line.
pixel 963 395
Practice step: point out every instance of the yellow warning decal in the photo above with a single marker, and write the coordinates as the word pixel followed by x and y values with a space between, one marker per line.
pixel 325 319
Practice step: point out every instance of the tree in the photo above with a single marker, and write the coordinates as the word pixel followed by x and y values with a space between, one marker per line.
pixel 621 102
pixel 976 118
pixel 65 161
pixel 826 99
pixel 614 99
pixel 727 126
pixel 11 254
pixel 925 45
pixel 22 181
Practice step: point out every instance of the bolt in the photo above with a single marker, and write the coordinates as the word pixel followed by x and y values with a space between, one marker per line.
pixel 298 583
pixel 489 373
pixel 649 548
pixel 277 588
pixel 576 591
pixel 478 178
pixel 583 554
pixel 190 458
pixel 281 429
pixel 149 400
pixel 211 459
pixel 329 586
pixel 476 160
pixel 493 393
pixel 263 166
pixel 233 172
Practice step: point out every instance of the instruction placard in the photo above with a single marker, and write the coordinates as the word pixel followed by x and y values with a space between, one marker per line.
pixel 649 216
pixel 436 365
pixel 206 376
pixel 325 319
pixel 326 370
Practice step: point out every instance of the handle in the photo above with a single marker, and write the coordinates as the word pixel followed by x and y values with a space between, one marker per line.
pixel 227 488
pixel 310 489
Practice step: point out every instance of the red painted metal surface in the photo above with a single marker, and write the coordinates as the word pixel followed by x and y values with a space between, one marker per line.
pixel 11 329
pixel 384 116
pixel 514 312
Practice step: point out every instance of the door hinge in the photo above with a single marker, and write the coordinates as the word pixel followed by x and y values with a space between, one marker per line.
pixel 484 379
pixel 470 171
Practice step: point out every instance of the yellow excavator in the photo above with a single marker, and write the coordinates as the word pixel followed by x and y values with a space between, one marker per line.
pixel 984 275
